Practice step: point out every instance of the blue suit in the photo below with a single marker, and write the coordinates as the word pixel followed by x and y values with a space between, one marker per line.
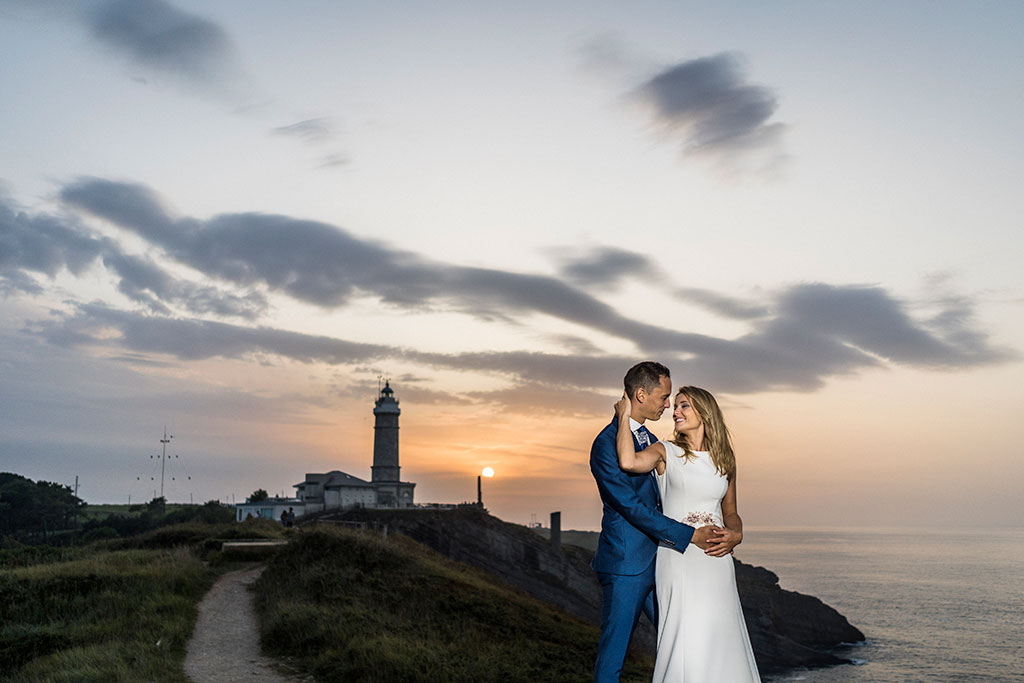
pixel 632 526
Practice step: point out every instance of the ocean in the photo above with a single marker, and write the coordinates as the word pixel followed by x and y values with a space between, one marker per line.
pixel 935 605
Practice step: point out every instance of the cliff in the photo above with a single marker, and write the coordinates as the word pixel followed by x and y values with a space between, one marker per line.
pixel 787 629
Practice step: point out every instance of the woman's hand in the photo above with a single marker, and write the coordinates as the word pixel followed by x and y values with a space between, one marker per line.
pixel 723 541
pixel 622 406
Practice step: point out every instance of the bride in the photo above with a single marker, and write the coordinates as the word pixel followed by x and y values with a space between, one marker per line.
pixel 701 634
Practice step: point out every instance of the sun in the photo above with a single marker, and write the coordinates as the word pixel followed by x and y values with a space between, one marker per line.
pixel 488 472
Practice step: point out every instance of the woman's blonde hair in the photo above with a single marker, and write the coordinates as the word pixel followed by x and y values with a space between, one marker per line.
pixel 717 439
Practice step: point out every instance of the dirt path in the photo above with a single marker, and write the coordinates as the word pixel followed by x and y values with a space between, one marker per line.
pixel 225 645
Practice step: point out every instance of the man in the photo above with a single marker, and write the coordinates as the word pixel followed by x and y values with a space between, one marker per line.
pixel 632 525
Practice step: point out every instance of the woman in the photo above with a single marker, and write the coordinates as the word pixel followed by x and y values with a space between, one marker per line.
pixel 701 634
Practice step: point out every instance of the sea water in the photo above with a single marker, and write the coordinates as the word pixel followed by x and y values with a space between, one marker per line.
pixel 935 604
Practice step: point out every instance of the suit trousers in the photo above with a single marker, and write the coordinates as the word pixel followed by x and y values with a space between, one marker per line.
pixel 624 597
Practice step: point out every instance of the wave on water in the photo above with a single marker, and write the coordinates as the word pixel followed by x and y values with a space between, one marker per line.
pixel 861 643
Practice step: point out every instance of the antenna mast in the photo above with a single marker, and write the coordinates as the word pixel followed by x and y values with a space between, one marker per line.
pixel 163 460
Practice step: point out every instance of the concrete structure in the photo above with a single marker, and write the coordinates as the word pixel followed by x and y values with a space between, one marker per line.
pixel 385 436
pixel 556 530
pixel 334 489
pixel 386 479
pixel 271 508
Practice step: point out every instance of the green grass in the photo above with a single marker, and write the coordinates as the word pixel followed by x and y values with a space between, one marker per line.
pixel 109 616
pixel 202 535
pixel 351 607
pixel 120 610
pixel 101 510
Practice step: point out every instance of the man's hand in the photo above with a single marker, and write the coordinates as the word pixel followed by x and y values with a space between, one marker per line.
pixel 702 537
pixel 722 543
pixel 622 406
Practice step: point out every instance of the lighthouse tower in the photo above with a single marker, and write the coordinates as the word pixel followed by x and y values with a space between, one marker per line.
pixel 391 490
pixel 385 436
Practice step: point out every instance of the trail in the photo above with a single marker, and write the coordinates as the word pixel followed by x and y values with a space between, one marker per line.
pixel 225 646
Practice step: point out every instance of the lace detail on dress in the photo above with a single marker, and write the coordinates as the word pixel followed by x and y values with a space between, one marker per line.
pixel 699 519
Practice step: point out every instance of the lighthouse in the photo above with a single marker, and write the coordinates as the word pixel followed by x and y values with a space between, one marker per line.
pixel 391 490
pixel 385 436
pixel 337 489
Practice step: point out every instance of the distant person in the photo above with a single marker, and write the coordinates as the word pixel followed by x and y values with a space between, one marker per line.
pixel 291 518
pixel 632 525
pixel 701 632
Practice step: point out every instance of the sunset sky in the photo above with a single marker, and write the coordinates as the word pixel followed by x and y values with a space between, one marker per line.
pixel 231 218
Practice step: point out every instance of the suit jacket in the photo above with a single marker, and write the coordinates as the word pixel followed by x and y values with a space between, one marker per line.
pixel 632 525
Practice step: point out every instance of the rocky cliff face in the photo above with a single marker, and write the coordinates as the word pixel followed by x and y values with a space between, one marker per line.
pixel 787 629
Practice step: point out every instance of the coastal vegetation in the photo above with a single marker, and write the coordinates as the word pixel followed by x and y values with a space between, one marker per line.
pixel 120 610
pixel 417 595
pixel 43 512
pixel 119 616
pixel 350 606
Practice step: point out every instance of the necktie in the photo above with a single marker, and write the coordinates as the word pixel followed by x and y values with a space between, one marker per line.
pixel 643 437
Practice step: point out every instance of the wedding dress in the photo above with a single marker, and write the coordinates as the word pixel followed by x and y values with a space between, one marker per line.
pixel 702 637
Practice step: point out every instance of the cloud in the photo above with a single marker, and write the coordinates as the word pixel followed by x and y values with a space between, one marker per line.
pixel 720 304
pixel 608 54
pixel 415 391
pixel 573 343
pixel 159 36
pixel 604 266
pixel 14 282
pixel 708 105
pixel 316 132
pixel 814 332
pixel 43 244
pixel 535 398
pixel 332 161
pixel 797 338
pixel 145 282
pixel 48 245
pixel 327 266
pixel 193 339
pixel 313 131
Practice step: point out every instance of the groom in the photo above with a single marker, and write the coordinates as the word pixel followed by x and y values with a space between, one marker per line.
pixel 632 525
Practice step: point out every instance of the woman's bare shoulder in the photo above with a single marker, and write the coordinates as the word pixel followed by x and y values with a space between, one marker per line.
pixel 671 448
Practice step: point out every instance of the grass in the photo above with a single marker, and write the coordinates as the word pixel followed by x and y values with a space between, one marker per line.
pixel 346 607
pixel 120 610
pixel 109 616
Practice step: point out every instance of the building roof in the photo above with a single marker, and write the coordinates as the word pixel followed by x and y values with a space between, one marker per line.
pixel 334 479
pixel 272 500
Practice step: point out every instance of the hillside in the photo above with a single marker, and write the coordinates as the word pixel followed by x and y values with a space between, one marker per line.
pixel 350 606
pixel 787 629
pixel 119 610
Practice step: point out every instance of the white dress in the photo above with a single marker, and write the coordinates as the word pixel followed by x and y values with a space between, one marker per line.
pixel 701 634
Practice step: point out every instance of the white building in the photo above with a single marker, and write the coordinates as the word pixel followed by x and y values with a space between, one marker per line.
pixel 271 508
pixel 336 489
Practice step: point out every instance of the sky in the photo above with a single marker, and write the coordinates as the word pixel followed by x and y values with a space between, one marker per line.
pixel 231 219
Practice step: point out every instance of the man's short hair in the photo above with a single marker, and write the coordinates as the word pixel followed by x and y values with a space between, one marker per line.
pixel 646 376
